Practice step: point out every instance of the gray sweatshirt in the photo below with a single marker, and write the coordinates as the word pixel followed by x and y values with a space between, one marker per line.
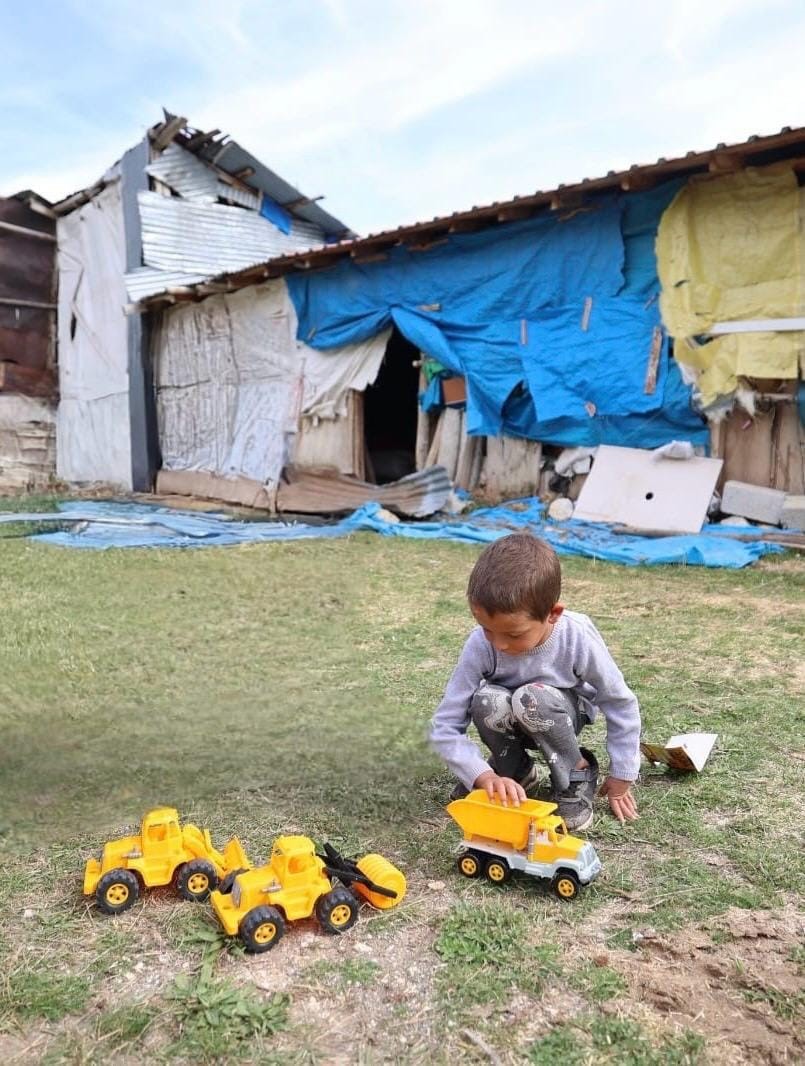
pixel 573 657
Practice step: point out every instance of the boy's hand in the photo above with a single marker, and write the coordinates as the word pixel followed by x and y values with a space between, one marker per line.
pixel 621 801
pixel 506 789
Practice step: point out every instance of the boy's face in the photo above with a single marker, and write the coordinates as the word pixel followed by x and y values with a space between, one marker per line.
pixel 515 633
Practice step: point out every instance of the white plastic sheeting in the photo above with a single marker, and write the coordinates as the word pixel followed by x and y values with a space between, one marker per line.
pixel 93 427
pixel 227 374
pixel 329 374
pixel 232 381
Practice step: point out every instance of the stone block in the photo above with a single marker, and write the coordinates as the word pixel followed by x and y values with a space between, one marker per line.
pixel 753 501
pixel 793 516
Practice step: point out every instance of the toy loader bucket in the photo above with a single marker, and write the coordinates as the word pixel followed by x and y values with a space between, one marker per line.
pixel 235 857
pixel 479 816
pixel 384 874
pixel 92 874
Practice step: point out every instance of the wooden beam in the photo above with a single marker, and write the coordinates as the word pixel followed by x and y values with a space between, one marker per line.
pixel 165 134
pixel 301 201
pixel 566 200
pixel 466 225
pixel 368 257
pixel 726 162
pixel 637 182
pixel 199 139
pixel 244 173
pixel 7 301
pixel 24 231
pixel 514 214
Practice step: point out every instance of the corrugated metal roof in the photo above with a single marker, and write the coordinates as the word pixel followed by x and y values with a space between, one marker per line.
pixel 211 238
pixel 185 242
pixel 146 281
pixel 229 156
pixel 185 174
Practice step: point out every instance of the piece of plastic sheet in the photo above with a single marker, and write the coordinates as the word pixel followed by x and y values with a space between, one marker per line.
pixel 730 248
pixel 100 524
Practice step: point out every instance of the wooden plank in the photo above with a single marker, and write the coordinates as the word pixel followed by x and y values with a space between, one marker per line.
pixel 511 468
pixel 433 451
pixel 425 423
pixel 24 231
pixel 653 365
pixel 450 442
pixel 468 469
pixel 163 137
pixel 10 301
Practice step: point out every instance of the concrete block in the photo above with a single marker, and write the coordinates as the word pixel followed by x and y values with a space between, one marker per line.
pixel 793 516
pixel 753 501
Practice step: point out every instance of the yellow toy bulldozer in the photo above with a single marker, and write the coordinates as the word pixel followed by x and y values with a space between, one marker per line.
pixel 298 882
pixel 165 851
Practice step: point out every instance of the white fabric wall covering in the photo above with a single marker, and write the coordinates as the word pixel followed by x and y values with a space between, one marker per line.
pixel 93 426
pixel 227 373
pixel 232 378
pixel 329 375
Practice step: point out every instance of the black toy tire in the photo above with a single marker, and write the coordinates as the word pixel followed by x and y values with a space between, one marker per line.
pixel 497 871
pixel 469 864
pixel 262 929
pixel 116 891
pixel 196 879
pixel 337 910
pixel 565 885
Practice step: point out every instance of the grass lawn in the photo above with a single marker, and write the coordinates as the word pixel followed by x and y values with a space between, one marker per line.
pixel 287 688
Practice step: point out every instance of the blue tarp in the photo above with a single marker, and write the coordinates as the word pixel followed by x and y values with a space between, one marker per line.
pixel 125 525
pixel 505 308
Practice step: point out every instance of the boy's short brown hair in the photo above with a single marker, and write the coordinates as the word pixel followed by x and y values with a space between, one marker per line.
pixel 516 573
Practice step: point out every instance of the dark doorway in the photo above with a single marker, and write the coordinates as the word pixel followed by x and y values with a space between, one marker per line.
pixel 390 413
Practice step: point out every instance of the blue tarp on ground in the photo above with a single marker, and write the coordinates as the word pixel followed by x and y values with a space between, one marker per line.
pixel 505 307
pixel 126 525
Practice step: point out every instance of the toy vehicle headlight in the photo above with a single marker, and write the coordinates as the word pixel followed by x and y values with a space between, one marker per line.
pixel 236 893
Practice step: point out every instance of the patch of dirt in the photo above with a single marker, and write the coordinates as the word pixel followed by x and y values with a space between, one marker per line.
pixel 724 990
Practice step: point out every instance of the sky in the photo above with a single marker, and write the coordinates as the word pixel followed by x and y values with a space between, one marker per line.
pixel 395 110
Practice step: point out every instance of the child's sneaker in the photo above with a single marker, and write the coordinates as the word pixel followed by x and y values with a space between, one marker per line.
pixel 576 802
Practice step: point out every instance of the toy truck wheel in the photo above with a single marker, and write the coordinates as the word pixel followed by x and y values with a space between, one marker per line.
pixel 337 911
pixel 566 885
pixel 261 929
pixel 497 871
pixel 468 864
pixel 196 880
pixel 117 891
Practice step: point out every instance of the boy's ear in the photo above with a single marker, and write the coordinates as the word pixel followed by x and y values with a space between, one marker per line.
pixel 556 612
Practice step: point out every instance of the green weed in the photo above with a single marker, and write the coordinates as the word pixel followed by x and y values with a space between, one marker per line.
pixel 343 974
pixel 26 994
pixel 217 1019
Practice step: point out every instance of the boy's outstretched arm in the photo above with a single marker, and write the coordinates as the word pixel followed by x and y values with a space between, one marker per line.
pixel 448 730
pixel 621 711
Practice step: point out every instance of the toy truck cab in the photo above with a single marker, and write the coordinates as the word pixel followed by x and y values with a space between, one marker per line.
pixel 530 838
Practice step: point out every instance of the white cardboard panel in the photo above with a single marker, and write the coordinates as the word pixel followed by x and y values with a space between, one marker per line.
pixel 633 487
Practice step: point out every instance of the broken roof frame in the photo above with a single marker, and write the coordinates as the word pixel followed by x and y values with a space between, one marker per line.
pixel 758 150
pixel 233 164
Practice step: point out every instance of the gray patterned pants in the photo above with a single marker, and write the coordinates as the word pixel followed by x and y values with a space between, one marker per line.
pixel 532 718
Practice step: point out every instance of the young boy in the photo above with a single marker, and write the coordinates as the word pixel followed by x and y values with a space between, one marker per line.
pixel 530 677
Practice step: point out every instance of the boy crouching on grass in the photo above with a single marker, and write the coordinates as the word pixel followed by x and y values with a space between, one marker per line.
pixel 530 677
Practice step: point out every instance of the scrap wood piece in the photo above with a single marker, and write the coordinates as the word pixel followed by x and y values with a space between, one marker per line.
pixel 328 492
pixel 653 365
pixel 29 381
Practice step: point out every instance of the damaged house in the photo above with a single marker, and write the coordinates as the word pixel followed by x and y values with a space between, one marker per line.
pixel 656 304
pixel 179 207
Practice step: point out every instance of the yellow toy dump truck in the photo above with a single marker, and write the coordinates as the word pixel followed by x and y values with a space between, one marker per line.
pixel 164 851
pixel 531 838
pixel 298 882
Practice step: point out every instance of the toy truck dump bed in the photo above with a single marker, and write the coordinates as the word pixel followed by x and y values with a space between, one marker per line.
pixel 531 838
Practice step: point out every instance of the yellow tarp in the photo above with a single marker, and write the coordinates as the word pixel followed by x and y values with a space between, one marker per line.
pixel 730 248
